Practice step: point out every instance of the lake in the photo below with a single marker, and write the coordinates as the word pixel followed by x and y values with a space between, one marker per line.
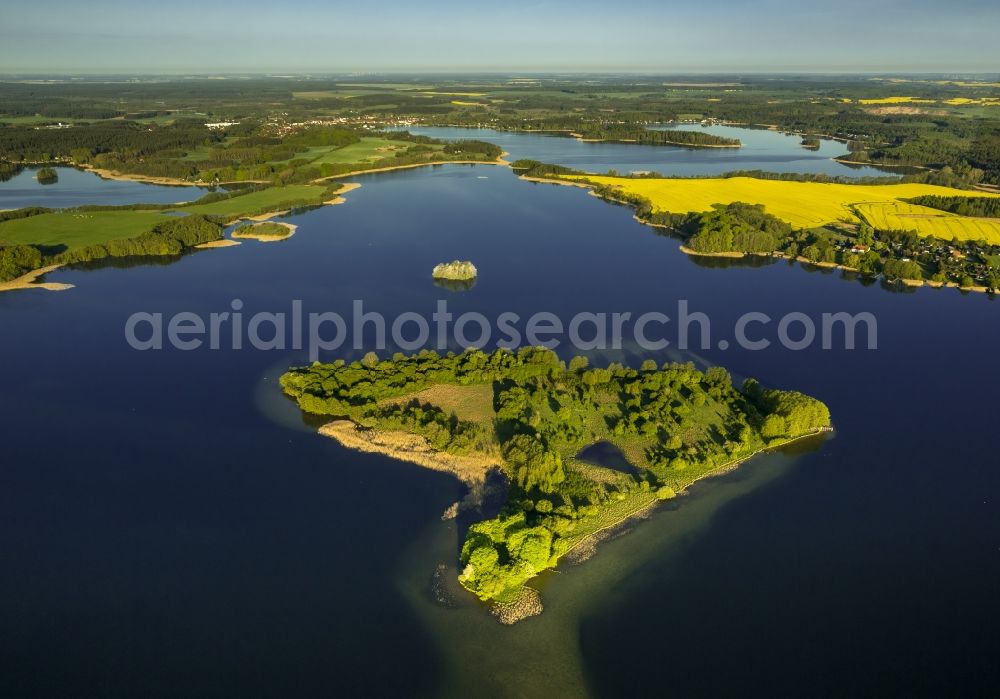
pixel 77 187
pixel 762 149
pixel 172 526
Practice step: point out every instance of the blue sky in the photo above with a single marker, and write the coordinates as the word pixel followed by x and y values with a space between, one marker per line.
pixel 215 36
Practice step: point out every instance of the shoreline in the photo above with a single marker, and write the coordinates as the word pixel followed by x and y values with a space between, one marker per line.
pixel 268 215
pixel 389 168
pixel 29 281
pixel 339 198
pixel 154 179
pixel 221 243
pixel 740 255
pixel 145 179
pixel 845 161
pixel 721 470
pixel 563 183
pixel 472 470
pixel 414 449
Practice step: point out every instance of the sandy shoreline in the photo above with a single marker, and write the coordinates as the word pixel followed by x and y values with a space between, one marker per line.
pixel 339 198
pixel 563 183
pixel 29 281
pixel 694 253
pixel 153 179
pixel 415 449
pixel 212 244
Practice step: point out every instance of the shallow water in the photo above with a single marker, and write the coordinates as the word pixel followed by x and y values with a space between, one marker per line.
pixel 171 527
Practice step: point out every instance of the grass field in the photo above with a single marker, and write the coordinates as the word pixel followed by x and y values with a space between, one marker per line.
pixel 77 229
pixel 802 204
pixel 473 403
pixel 367 151
pixel 897 215
pixel 270 199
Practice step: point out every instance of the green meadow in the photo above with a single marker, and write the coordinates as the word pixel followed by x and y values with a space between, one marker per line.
pixel 76 229
pixel 262 201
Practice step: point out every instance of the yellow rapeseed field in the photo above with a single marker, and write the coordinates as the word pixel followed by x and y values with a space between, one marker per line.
pixel 896 100
pixel 802 204
pixel 900 216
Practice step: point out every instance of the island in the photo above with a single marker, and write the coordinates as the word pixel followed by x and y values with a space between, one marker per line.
pixel 619 133
pixel 265 231
pixel 533 423
pixel 457 271
pixel 47 175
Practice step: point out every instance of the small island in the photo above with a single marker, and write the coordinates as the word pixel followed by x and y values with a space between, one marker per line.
pixel 47 175
pixel 265 232
pixel 531 422
pixel 455 271
pixel 811 142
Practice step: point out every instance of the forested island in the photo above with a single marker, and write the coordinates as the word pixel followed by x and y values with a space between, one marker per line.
pixel 457 270
pixel 265 231
pixel 618 133
pixel 47 175
pixel 527 416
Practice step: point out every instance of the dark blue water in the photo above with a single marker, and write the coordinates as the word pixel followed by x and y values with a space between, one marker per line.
pixel 762 150
pixel 170 527
pixel 78 187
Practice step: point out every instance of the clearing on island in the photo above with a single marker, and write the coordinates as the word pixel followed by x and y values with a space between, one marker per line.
pixel 812 204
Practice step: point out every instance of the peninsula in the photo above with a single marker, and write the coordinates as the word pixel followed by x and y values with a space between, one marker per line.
pixel 913 232
pixel 530 417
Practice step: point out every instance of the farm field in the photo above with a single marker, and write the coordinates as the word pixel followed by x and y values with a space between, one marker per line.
pixel 76 229
pixel 900 216
pixel 367 150
pixel 802 204
pixel 270 199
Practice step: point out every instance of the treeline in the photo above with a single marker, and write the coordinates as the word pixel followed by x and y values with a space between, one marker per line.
pixel 983 207
pixel 623 133
pixel 129 141
pixel 535 168
pixel 18 260
pixel 738 227
pixel 476 149
pixel 171 237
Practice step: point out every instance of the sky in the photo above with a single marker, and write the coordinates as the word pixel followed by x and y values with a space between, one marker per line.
pixel 226 36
